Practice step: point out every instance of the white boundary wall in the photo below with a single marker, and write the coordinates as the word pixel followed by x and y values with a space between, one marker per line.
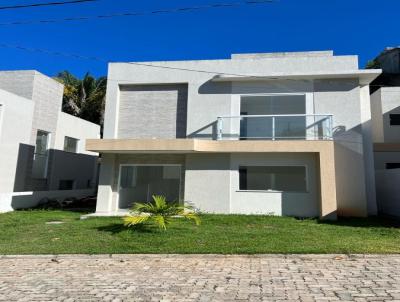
pixel 20 200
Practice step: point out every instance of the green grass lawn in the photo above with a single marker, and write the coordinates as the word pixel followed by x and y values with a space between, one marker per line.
pixel 26 232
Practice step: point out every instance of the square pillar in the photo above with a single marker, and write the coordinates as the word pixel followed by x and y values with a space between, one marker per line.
pixel 328 206
pixel 106 181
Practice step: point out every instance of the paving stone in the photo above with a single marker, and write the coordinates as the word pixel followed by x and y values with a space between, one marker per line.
pixel 200 278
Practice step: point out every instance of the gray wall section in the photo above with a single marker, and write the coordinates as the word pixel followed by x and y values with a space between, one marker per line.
pixel 388 191
pixel 80 168
pixel 23 180
pixel 377 117
pixel 153 111
pixel 18 82
pixel 342 99
pixel 47 95
pixel 387 183
pixel 45 92
pixel 207 180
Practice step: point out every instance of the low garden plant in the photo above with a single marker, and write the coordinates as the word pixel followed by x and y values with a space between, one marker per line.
pixel 159 212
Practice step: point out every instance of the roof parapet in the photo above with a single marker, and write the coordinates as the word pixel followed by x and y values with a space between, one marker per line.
pixel 267 55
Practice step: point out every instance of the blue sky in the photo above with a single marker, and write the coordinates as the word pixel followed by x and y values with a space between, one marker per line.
pixel 362 27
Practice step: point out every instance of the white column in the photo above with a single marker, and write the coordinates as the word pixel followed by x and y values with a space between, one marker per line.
pixel 106 180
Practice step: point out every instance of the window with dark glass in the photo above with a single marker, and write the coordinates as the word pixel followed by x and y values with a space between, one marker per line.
pixel 70 144
pixel 66 184
pixel 273 178
pixel 40 158
pixel 394 119
pixel 390 166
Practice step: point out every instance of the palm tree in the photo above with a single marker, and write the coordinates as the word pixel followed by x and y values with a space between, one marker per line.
pixel 84 98
pixel 159 212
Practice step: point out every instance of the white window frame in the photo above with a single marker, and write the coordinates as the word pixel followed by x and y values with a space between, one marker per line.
pixel 275 165
pixel 117 208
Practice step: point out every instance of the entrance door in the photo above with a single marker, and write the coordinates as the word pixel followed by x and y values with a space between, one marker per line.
pixel 138 183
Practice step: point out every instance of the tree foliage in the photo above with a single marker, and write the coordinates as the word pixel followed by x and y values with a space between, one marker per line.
pixel 84 98
pixel 373 64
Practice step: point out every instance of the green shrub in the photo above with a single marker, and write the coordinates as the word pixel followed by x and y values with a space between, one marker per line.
pixel 159 212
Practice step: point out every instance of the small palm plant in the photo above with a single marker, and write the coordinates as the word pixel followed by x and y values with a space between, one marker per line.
pixel 159 212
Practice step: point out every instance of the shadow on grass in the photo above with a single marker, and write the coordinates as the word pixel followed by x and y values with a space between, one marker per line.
pixel 116 228
pixel 64 209
pixel 370 222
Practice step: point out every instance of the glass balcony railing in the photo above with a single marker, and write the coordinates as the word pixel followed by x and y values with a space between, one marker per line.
pixel 275 127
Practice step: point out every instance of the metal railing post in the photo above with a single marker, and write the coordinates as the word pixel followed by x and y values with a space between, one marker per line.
pixel 219 128
pixel 273 128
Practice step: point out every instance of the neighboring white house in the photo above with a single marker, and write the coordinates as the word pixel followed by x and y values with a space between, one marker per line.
pixel 42 152
pixel 273 133
pixel 385 108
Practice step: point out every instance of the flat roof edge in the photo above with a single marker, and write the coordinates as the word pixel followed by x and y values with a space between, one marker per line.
pixel 318 53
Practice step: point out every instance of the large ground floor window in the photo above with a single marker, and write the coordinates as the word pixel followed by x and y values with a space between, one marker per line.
pixel 273 178
pixel 138 183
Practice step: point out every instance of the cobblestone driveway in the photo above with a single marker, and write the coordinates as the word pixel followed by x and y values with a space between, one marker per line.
pixel 200 278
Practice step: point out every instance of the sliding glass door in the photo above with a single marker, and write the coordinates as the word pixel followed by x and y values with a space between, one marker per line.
pixel 273 117
pixel 138 183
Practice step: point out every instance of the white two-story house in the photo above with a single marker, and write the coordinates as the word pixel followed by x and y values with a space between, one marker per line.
pixel 42 149
pixel 268 133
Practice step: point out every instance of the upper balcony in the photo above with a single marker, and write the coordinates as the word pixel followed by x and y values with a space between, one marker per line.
pixel 275 127
pixel 251 133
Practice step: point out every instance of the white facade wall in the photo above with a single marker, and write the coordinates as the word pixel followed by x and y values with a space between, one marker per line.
pixel 72 126
pixel 15 128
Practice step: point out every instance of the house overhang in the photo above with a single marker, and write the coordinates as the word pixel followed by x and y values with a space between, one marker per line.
pixel 183 146
pixel 324 151
pixel 365 76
